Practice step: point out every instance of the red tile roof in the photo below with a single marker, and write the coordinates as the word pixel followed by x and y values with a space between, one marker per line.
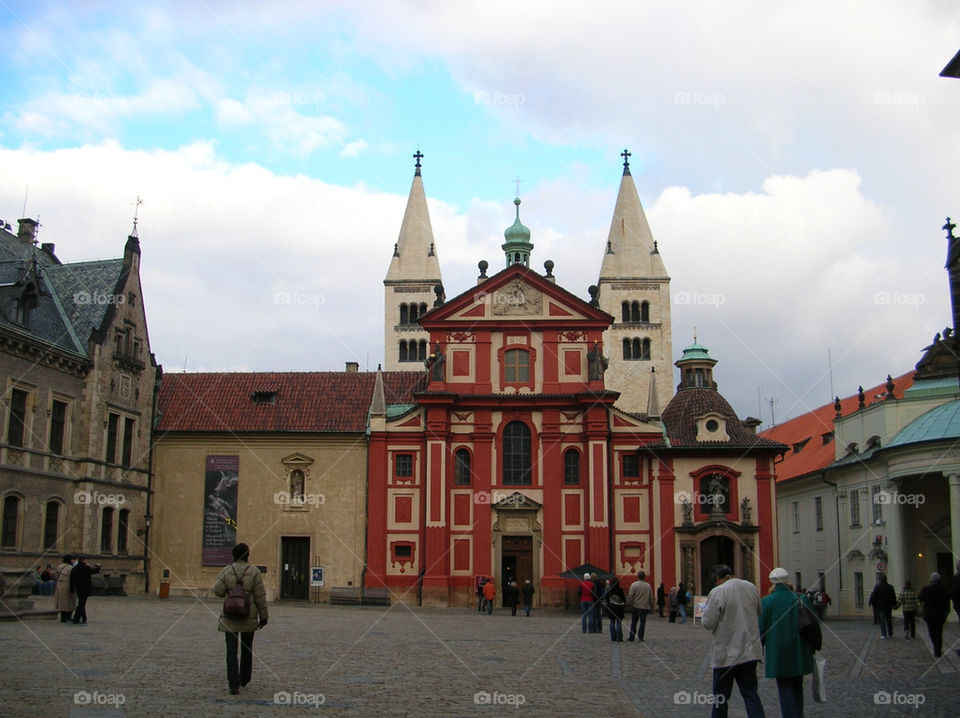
pixel 809 451
pixel 304 402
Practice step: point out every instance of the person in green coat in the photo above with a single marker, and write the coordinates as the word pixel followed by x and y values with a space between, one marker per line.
pixel 787 657
pixel 241 630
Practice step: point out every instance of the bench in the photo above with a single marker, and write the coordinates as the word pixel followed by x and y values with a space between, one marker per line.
pixel 376 597
pixel 345 596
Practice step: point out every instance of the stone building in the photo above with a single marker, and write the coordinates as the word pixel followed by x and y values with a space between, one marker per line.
pixel 78 381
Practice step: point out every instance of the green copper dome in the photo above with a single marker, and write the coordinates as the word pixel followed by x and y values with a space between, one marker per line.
pixel 696 351
pixel 518 246
pixel 940 423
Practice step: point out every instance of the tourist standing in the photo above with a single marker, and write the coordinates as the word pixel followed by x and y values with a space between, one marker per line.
pixel 489 593
pixel 615 604
pixel 640 602
pixel 599 597
pixel 936 608
pixel 672 604
pixel 909 603
pixel 731 613
pixel 511 596
pixel 787 657
pixel 483 580
pixel 527 593
pixel 884 600
pixel 661 599
pixel 62 596
pixel 82 586
pixel 682 602
pixel 586 604
pixel 241 630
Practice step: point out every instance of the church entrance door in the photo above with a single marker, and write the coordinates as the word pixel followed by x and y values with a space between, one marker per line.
pixel 516 562
pixel 714 550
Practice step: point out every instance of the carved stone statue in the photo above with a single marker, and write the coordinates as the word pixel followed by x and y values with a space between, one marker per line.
pixel 435 363
pixel 745 510
pixel 596 362
pixel 686 508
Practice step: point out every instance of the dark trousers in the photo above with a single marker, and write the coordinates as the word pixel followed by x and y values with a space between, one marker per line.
pixel 745 674
pixel 598 617
pixel 513 609
pixel 886 623
pixel 65 616
pixel 935 629
pixel 910 624
pixel 791 696
pixel 237 676
pixel 660 609
pixel 80 614
pixel 638 623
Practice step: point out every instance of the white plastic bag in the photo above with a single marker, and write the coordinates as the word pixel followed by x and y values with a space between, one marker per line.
pixel 819 685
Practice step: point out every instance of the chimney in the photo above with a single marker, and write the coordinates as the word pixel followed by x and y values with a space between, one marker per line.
pixel 353 367
pixel 28 230
pixel 751 423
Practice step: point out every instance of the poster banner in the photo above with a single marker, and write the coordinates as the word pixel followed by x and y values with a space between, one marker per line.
pixel 220 509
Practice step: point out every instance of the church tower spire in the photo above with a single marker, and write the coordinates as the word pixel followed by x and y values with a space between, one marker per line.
pixel 635 289
pixel 409 285
pixel 517 246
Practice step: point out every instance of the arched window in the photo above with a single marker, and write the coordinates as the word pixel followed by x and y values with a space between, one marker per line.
pixel 403 350
pixel 296 485
pixel 645 349
pixel 516 454
pixel 404 314
pixel 106 531
pixel 461 468
pixel 645 311
pixel 634 311
pixel 635 349
pixel 626 349
pixel 51 525
pixel 516 365
pixel 11 522
pixel 413 314
pixel 625 311
pixel 422 354
pixel 122 527
pixel 571 467
pixel 423 308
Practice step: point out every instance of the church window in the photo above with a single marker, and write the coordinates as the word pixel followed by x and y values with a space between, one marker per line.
pixel 423 308
pixel 645 311
pixel 516 454
pixel 106 530
pixel 17 418
pixel 855 507
pixel 516 366
pixel 700 377
pixel 634 311
pixel 414 313
pixel 421 351
pixel 461 468
pixel 571 467
pixel 51 525
pixel 11 520
pixel 626 349
pixel 630 466
pixel 404 314
pixel 403 350
pixel 122 530
pixel 645 349
pixel 625 312
pixel 636 351
pixel 403 466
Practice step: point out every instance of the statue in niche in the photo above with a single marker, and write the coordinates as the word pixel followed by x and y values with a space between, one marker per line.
pixel 686 508
pixel 717 491
pixel 745 510
pixel 435 363
pixel 596 362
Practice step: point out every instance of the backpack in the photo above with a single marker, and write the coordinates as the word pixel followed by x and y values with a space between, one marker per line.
pixel 236 604
pixel 808 626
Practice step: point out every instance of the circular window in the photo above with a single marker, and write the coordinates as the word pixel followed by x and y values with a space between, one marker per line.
pixel 712 425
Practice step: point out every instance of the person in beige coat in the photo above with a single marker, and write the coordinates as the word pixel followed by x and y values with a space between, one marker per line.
pixel 241 630
pixel 62 598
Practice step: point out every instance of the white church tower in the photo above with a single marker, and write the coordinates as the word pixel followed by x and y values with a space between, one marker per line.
pixel 409 287
pixel 634 287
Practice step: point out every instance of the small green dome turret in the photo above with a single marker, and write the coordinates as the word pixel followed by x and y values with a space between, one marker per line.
pixel 517 248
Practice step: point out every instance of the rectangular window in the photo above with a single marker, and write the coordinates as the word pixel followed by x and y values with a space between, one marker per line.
pixel 631 466
pixel 796 517
pixel 818 512
pixel 106 531
pixel 571 468
pixel 858 589
pixel 854 507
pixel 124 519
pixel 516 365
pixel 876 504
pixel 17 420
pixel 128 427
pixel 461 468
pixel 11 517
pixel 51 526
pixel 58 426
pixel 113 428
pixel 404 466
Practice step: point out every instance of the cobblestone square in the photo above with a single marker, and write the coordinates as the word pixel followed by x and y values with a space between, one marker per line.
pixel 141 656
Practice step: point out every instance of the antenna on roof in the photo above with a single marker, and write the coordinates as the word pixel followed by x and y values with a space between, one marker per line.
pixel 25 193
pixel 771 401
pixel 830 372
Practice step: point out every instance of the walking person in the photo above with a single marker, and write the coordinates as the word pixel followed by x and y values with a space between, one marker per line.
pixel 787 657
pixel 511 596
pixel 884 600
pixel 731 614
pixel 672 604
pixel 489 593
pixel 241 630
pixel 640 602
pixel 599 598
pixel 527 592
pixel 483 580
pixel 586 604
pixel 682 602
pixel 63 597
pixel 909 603
pixel 615 604
pixel 936 608
pixel 661 599
pixel 82 586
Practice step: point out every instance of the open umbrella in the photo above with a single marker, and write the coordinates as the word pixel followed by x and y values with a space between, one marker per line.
pixel 578 572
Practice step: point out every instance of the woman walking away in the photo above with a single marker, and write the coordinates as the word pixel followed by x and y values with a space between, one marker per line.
pixel 908 601
pixel 787 657
pixel 241 629
pixel 615 604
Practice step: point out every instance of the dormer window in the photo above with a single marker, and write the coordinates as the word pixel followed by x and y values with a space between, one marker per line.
pixel 712 427
pixel 263 397
pixel 26 302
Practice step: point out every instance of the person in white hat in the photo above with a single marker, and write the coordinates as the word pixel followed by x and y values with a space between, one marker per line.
pixel 787 657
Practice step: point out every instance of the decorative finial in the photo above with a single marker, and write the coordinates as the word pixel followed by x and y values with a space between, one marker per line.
pixel 432 252
pixel 889 387
pixel 548 265
pixel 136 213
pixel 482 266
pixel 655 249
pixel 626 154
pixel 694 335
pixel 396 249
pixel 418 155
pixel 949 226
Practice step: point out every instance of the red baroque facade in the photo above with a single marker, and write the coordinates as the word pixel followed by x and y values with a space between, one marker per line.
pixel 513 461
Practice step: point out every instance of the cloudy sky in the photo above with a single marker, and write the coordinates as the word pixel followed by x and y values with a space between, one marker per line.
pixel 796 162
